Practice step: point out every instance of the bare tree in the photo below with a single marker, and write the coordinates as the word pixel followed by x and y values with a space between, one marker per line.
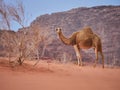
pixel 15 13
pixel 6 20
pixel 47 38
pixel 4 14
pixel 22 44
pixel 41 39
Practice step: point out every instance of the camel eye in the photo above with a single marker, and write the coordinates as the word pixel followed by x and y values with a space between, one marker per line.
pixel 57 29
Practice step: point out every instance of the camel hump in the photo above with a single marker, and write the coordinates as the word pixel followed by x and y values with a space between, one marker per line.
pixel 88 30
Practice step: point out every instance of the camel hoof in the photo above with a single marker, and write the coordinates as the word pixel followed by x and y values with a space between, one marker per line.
pixel 79 65
pixel 94 65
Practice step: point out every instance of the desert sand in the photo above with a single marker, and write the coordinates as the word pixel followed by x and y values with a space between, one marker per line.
pixel 55 76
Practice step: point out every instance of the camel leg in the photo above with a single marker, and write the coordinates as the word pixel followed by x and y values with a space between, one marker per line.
pixel 79 59
pixel 96 55
pixel 78 55
pixel 102 58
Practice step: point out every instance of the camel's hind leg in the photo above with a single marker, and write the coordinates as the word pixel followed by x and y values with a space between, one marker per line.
pixel 96 55
pixel 101 53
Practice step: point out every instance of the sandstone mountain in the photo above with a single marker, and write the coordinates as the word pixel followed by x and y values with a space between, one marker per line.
pixel 104 21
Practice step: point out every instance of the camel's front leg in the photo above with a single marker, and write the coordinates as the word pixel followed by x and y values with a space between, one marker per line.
pixel 78 55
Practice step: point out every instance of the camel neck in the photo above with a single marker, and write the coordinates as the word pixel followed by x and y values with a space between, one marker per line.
pixel 64 39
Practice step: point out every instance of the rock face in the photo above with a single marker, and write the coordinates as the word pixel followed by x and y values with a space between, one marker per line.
pixel 104 21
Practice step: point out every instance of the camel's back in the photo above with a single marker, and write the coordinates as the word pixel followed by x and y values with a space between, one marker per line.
pixel 85 33
pixel 87 30
pixel 84 37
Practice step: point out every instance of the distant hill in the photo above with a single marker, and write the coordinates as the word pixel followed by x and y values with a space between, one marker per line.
pixel 104 20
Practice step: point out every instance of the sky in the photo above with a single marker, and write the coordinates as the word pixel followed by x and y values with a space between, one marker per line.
pixel 35 8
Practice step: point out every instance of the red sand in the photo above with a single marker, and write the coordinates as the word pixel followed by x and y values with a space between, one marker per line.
pixel 58 77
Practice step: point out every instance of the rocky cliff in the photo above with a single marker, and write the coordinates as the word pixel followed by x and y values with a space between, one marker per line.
pixel 104 20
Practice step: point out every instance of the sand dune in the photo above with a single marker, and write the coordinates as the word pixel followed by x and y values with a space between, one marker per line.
pixel 58 77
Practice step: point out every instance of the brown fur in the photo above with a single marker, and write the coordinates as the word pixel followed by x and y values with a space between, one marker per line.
pixel 83 39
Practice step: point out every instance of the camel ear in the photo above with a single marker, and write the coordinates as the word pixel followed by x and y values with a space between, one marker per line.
pixel 56 29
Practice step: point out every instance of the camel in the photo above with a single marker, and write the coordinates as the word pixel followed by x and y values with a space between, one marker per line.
pixel 83 39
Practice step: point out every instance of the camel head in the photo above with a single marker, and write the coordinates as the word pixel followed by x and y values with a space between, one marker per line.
pixel 58 30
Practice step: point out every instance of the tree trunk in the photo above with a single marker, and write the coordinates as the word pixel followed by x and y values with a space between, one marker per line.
pixel 43 51
pixel 20 61
pixel 38 54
